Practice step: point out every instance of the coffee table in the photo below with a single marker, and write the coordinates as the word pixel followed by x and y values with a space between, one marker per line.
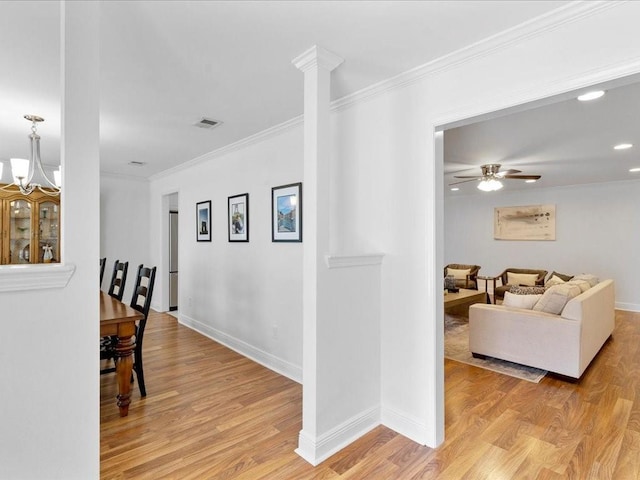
pixel 459 303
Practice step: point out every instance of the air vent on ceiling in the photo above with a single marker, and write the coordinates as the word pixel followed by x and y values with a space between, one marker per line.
pixel 135 163
pixel 207 123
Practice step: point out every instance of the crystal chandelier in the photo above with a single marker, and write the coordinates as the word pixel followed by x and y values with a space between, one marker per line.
pixel 29 175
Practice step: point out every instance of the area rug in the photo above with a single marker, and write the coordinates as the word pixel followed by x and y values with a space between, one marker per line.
pixel 456 347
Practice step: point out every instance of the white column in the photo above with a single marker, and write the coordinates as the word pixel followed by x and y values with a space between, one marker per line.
pixel 316 64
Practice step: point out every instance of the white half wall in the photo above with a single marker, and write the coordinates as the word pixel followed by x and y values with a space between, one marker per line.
pixel 596 232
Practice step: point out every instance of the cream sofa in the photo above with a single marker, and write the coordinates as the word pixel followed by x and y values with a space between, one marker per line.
pixel 563 344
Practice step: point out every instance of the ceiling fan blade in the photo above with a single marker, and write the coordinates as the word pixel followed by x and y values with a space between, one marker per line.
pixel 470 179
pixel 507 172
pixel 468 176
pixel 523 177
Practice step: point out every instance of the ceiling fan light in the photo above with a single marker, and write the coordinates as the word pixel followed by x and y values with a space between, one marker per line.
pixel 490 185
pixel 634 170
pixel 531 180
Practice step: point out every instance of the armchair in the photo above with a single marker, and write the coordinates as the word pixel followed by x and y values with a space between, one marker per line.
pixel 464 275
pixel 518 276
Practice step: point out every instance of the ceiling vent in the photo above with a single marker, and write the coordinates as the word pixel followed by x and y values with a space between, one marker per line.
pixel 135 163
pixel 207 123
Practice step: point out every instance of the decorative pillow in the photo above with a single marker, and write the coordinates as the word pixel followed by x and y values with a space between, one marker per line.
pixel 458 274
pixel 528 279
pixel 520 301
pixel 583 284
pixel 592 279
pixel 518 290
pixel 563 276
pixel 554 280
pixel 556 297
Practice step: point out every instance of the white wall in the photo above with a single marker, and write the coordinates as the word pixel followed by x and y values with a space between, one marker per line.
pixel 49 420
pixel 596 232
pixel 246 295
pixel 124 226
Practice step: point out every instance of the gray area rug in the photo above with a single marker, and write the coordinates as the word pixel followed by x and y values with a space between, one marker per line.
pixel 456 347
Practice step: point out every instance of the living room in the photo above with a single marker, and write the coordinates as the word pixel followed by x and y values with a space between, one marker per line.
pixel 593 187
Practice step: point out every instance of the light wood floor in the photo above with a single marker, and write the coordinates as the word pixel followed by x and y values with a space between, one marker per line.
pixel 212 414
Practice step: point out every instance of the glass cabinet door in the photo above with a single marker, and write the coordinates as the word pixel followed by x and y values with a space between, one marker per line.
pixel 20 231
pixel 48 223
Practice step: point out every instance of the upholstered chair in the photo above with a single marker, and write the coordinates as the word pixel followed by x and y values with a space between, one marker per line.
pixel 464 275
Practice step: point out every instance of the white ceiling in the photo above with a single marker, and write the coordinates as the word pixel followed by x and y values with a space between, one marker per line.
pixel 166 64
pixel 568 142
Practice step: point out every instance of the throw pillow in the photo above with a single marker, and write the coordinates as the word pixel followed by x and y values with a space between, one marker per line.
pixel 458 274
pixel 520 301
pixel 518 290
pixel 563 276
pixel 583 284
pixel 528 279
pixel 556 297
pixel 554 280
pixel 592 279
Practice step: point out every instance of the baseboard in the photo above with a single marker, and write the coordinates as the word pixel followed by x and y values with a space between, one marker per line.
pixel 315 451
pixel 629 307
pixel 407 426
pixel 265 359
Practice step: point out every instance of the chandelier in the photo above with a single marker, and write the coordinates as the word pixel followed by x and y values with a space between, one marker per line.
pixel 29 175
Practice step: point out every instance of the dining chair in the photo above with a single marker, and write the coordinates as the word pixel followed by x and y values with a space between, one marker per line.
pixel 140 301
pixel 103 262
pixel 118 279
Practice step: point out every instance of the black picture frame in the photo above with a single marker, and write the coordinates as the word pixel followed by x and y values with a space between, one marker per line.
pixel 238 217
pixel 203 221
pixel 286 213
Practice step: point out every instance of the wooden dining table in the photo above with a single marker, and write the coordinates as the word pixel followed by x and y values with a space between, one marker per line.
pixel 118 319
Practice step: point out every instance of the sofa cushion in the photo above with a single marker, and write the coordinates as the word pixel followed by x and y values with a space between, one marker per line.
pixel 520 301
pixel 528 279
pixel 562 276
pixel 556 297
pixel 458 274
pixel 554 280
pixel 519 290
pixel 583 284
pixel 592 279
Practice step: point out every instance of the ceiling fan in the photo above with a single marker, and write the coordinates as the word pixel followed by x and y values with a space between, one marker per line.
pixel 491 176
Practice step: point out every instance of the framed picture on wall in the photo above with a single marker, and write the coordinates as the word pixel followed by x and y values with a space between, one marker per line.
pixel 286 213
pixel 203 221
pixel 238 218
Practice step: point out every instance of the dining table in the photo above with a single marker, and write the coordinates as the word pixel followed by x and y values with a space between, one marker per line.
pixel 119 320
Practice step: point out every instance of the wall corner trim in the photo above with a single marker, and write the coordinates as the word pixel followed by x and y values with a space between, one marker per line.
pixel 357 260
pixel 15 278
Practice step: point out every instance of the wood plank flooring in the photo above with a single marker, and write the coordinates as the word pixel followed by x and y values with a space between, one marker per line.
pixel 212 414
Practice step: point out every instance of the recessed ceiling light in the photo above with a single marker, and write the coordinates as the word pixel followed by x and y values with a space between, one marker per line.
pixel 623 146
pixel 531 180
pixel 592 95
pixel 455 189
pixel 634 170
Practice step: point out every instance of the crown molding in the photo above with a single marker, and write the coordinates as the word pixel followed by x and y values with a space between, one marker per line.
pixel 245 142
pixel 317 57
pixel 549 21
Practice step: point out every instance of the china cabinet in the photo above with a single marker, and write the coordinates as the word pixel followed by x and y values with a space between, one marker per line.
pixel 30 227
